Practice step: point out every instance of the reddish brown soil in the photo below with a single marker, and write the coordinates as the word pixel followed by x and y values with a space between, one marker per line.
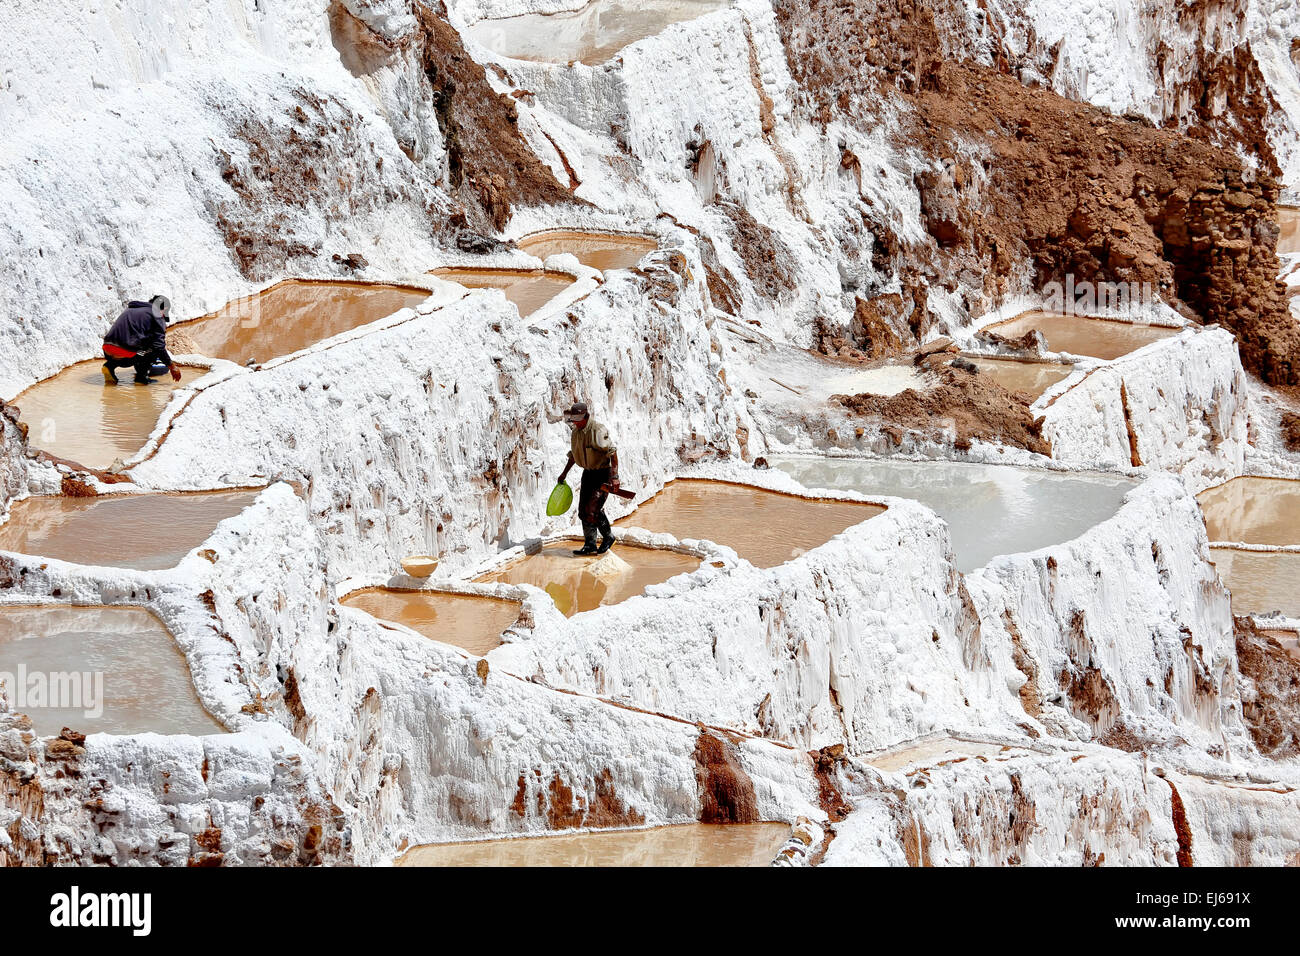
pixel 1291 431
pixel 1270 692
pixel 726 791
pixel 972 404
pixel 826 765
pixel 768 262
pixel 492 168
pixel 1020 175
pixel 1181 826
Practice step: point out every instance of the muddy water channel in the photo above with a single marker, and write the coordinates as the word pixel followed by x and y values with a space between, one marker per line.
pixel 990 509
pixel 579 584
pixel 528 290
pixel 694 844
pixel 603 251
pixel 1079 335
pixel 472 623
pixel 763 527
pixel 1032 378
pixel 74 415
pixel 293 315
pixel 145 685
pixel 591 35
pixel 144 532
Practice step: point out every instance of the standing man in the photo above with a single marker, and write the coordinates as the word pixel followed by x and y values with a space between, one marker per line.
pixel 139 338
pixel 591 448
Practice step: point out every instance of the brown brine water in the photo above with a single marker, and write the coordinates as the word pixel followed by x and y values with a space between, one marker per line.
pixel 145 684
pixel 528 290
pixel 1253 511
pixel 472 623
pixel 1079 335
pixel 293 315
pixel 74 415
pixel 1032 378
pixel 144 532
pixel 1288 241
pixel 692 844
pixel 590 35
pixel 582 583
pixel 1260 581
pixel 763 527
pixel 597 250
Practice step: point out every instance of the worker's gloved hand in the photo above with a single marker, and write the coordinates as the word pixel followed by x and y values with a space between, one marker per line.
pixel 613 481
pixel 176 372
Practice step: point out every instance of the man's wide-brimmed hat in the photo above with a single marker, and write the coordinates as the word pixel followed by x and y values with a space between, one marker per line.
pixel 576 412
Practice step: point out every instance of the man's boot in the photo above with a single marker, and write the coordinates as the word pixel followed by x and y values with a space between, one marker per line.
pixel 109 377
pixel 589 542
pixel 606 536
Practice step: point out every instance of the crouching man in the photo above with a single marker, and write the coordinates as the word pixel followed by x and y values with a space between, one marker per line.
pixel 592 450
pixel 139 338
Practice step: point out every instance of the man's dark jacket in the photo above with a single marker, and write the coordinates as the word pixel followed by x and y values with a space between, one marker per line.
pixel 138 330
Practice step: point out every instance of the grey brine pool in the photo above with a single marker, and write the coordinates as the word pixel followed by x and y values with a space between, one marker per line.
pixel 1032 378
pixel 1260 581
pixel 74 415
pixel 292 315
pixel 528 289
pixel 766 528
pixel 579 584
pixel 692 844
pixel 469 622
pixel 603 251
pixel 144 532
pixel 590 35
pixel 1253 511
pixel 1081 335
pixel 990 509
pixel 50 656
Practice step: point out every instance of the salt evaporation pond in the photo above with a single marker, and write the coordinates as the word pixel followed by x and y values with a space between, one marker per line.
pixel 603 251
pixel 692 844
pixel 990 509
pixel 143 532
pixel 583 583
pixel 293 315
pixel 1082 335
pixel 1032 378
pixel 1253 510
pixel 146 683
pixel 591 35
pixel 74 415
pixel 1260 581
pixel 469 622
pixel 528 289
pixel 766 528
pixel 1288 242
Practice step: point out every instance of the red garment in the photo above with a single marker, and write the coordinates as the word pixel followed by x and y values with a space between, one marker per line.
pixel 116 351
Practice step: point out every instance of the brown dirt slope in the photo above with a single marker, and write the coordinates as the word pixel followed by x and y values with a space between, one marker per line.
pixel 1270 692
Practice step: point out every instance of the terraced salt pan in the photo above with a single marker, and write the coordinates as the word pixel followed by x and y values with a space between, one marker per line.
pixel 1288 242
pixel 693 844
pixel 144 532
pixel 591 35
pixel 579 584
pixel 529 290
pixel 1253 511
pixel 929 752
pixel 1033 378
pixel 990 509
pixel 1289 639
pixel 766 528
pixel 74 415
pixel 1260 581
pixel 145 681
pixel 603 251
pixel 472 623
pixel 292 315
pixel 1081 335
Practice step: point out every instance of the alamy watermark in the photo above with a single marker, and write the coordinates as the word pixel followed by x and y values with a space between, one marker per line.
pixel 28 690
pixel 1075 297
